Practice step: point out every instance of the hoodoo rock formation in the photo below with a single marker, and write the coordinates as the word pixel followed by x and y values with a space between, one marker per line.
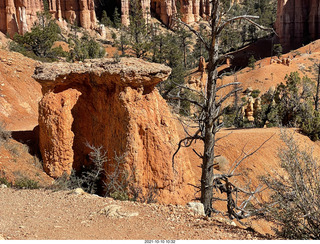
pixel 191 10
pixel 298 22
pixel 114 105
pixel 18 16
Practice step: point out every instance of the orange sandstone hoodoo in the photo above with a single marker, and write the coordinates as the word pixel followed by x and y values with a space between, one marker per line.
pixel 114 105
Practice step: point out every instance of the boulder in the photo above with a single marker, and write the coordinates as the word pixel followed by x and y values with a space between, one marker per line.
pixel 114 105
pixel 221 163
pixel 78 191
pixel 116 211
pixel 3 186
pixel 197 208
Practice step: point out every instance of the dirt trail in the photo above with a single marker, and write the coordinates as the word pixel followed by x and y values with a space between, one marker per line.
pixel 44 214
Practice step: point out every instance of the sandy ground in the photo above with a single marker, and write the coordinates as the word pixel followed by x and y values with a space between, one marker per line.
pixel 49 215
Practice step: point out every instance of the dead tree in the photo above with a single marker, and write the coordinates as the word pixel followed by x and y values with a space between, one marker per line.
pixel 316 98
pixel 212 106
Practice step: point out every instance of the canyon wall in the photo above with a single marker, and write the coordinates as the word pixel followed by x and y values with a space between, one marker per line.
pixel 113 105
pixel 298 22
pixel 191 10
pixel 18 16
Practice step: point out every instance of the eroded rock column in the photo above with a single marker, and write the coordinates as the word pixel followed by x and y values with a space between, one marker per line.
pixel 118 109
pixel 56 136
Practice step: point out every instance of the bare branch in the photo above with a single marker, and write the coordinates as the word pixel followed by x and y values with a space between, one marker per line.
pixel 240 17
pixel 194 32
pixel 188 141
pixel 261 27
pixel 190 89
pixel 228 95
pixel 248 155
pixel 198 154
pixel 185 99
pixel 218 139
pixel 229 84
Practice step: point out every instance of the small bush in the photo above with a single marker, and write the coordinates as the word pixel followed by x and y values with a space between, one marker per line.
pixel 4 134
pixel 14 149
pixel 26 183
pixel 311 126
pixel 295 194
pixel 4 181
pixel 252 62
pixel 62 183
pixel 277 50
pixel 255 93
pixel 119 183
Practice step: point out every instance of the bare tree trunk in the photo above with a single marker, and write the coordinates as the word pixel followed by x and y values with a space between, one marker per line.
pixel 210 119
pixel 211 109
pixel 316 102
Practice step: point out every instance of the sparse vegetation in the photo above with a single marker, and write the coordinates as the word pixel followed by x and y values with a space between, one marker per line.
pixel 38 43
pixel 5 135
pixel 119 183
pixel 26 183
pixel 277 50
pixel 252 62
pixel 295 199
pixel 4 181
pixel 84 48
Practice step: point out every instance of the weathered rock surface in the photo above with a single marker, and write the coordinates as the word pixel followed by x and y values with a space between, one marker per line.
pixel 19 93
pixel 55 133
pixel 18 16
pixel 116 211
pixel 197 208
pixel 298 22
pixel 118 109
pixel 191 10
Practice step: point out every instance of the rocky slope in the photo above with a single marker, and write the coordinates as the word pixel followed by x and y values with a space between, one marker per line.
pixel 19 92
